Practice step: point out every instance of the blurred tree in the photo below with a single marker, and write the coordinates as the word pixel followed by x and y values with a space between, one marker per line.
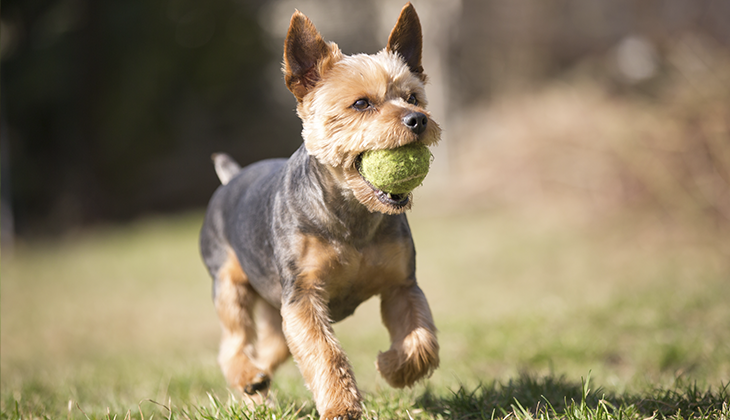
pixel 115 106
pixel 507 46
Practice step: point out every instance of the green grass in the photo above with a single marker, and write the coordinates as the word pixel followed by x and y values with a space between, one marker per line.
pixel 117 323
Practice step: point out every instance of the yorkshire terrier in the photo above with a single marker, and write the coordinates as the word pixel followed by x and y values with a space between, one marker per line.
pixel 296 244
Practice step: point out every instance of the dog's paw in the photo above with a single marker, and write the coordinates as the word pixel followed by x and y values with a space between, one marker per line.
pixel 342 406
pixel 415 358
pixel 259 384
pixel 351 414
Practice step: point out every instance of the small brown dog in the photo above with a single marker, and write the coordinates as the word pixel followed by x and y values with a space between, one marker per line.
pixel 294 245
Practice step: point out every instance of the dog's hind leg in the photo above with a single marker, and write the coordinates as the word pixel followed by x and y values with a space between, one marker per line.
pixel 271 347
pixel 234 302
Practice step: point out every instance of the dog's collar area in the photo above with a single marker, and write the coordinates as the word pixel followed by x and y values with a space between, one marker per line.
pixel 397 201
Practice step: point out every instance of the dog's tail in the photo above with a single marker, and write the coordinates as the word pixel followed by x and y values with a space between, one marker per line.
pixel 225 167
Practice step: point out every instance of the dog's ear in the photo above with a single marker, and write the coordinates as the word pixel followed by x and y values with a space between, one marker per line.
pixel 305 55
pixel 406 39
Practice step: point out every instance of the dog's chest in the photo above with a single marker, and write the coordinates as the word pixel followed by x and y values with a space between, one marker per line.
pixel 351 275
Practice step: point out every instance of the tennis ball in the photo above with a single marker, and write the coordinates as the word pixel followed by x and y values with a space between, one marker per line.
pixel 396 171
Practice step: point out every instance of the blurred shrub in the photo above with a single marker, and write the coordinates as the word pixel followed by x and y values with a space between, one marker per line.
pixel 113 107
pixel 604 150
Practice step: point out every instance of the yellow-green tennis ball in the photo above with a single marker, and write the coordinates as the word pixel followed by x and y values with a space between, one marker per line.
pixel 396 171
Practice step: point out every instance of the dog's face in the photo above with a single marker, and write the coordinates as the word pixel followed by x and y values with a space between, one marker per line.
pixel 351 104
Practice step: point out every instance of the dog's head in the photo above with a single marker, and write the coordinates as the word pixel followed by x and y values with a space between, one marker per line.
pixel 352 104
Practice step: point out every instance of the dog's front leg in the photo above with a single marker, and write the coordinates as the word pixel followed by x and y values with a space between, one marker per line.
pixel 414 350
pixel 319 356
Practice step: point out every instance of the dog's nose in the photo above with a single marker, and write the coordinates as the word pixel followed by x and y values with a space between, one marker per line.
pixel 416 122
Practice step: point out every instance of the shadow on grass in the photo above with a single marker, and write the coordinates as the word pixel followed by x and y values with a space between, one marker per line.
pixel 526 397
pixel 551 396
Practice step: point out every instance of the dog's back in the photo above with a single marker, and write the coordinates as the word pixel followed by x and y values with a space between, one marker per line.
pixel 229 205
pixel 296 245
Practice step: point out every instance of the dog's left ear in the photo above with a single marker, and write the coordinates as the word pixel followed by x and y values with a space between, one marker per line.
pixel 406 39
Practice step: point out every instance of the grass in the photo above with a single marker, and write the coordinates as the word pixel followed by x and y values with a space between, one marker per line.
pixel 538 318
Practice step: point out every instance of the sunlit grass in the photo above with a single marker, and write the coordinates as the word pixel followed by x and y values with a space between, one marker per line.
pixel 118 321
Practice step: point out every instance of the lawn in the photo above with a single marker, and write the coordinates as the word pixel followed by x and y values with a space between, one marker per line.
pixel 539 316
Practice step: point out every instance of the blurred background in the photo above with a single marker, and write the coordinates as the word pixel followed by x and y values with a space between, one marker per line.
pixel 576 218
pixel 111 109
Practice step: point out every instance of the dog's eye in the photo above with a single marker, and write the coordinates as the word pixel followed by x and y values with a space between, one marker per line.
pixel 412 99
pixel 361 104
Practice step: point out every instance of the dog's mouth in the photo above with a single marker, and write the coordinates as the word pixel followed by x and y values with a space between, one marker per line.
pixel 397 201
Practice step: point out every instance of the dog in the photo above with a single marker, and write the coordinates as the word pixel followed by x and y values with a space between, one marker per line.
pixel 296 244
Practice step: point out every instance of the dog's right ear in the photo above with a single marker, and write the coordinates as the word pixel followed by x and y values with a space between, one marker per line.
pixel 306 55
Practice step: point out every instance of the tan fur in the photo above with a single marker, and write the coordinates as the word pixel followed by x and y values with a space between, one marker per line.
pixel 234 303
pixel 329 272
pixel 252 344
pixel 406 39
pixel 367 256
pixel 320 358
pixel 414 350
pixel 326 85
pixel 303 40
pixel 271 347
pixel 339 271
pixel 334 132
